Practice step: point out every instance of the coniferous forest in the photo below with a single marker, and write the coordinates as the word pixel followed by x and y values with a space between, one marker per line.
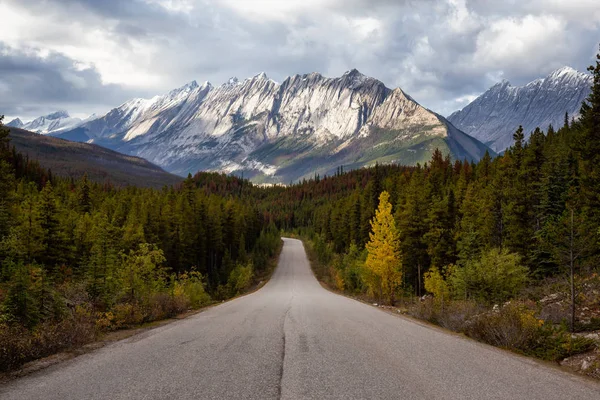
pixel 505 249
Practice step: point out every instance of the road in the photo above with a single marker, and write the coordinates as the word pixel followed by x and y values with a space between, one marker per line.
pixel 295 340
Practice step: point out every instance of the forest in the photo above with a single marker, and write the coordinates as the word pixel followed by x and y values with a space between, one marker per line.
pixel 483 248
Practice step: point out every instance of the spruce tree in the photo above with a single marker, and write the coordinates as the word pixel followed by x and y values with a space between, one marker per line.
pixel 588 145
pixel 83 195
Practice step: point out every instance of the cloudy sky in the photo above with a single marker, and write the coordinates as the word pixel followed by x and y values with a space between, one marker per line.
pixel 87 56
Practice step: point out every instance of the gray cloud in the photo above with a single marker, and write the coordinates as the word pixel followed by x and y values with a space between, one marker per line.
pixel 439 51
pixel 32 85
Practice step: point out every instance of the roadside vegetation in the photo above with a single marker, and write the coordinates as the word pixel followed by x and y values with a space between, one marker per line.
pixel 78 259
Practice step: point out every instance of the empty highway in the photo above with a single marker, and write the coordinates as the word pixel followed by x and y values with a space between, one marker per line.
pixel 295 340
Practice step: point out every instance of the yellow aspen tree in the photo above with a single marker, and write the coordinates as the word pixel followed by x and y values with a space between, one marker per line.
pixel 384 259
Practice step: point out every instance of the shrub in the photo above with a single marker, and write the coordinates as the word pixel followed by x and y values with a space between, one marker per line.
pixel 19 345
pixel 240 278
pixel 512 326
pixel 496 276
pixel 126 314
pixel 191 286
pixel 436 284
pixel 456 314
pixel 553 344
pixel 515 327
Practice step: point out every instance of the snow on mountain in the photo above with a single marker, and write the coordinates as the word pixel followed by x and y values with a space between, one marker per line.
pixel 15 123
pixel 495 115
pixel 278 132
pixel 56 122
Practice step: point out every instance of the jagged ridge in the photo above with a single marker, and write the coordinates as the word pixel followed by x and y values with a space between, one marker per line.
pixel 495 115
pixel 278 132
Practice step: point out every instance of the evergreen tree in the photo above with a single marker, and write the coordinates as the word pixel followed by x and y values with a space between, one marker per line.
pixel 6 183
pixel 588 145
pixel 51 240
pixel 83 196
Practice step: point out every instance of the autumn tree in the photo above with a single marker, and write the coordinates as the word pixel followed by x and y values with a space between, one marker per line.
pixel 384 259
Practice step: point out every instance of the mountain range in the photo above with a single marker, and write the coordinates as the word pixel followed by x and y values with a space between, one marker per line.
pixel 54 123
pixel 494 116
pixel 310 124
pixel 275 132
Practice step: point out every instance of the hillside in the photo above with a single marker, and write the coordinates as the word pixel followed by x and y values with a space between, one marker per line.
pixel 72 159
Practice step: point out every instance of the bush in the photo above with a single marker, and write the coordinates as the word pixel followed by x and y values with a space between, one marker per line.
pixel 554 344
pixel 436 284
pixel 19 345
pixel 512 327
pixel 456 314
pixel 515 327
pixel 191 285
pixel 496 276
pixel 240 278
pixel 125 315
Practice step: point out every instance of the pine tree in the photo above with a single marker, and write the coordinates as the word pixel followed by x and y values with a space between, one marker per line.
pixel 384 259
pixel 4 139
pixel 83 195
pixel 6 183
pixel 51 240
pixel 517 149
pixel 588 145
pixel 411 219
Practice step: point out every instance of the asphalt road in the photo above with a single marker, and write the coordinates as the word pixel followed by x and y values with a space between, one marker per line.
pixel 295 340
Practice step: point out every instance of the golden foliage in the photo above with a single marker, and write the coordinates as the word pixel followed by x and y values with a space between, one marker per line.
pixel 384 259
pixel 436 284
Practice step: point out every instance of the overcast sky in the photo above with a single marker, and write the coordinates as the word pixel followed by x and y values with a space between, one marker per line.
pixel 87 56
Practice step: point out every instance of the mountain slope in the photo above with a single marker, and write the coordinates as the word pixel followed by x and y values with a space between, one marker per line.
pixel 72 159
pixel 495 115
pixel 278 132
pixel 52 123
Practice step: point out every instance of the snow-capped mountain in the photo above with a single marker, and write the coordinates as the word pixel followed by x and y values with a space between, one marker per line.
pixel 16 123
pixel 278 132
pixel 59 121
pixel 495 115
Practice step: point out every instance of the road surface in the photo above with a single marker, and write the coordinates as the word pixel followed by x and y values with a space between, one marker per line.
pixel 295 340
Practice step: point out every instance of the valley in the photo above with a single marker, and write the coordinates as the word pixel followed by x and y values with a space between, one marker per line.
pixel 406 206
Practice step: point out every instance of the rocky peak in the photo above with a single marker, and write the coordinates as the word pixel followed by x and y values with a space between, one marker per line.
pixel 232 81
pixel 562 72
pixel 494 116
pixel 15 123
pixel 58 114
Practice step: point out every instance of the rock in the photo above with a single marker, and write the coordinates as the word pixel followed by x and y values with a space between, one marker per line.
pixel 586 364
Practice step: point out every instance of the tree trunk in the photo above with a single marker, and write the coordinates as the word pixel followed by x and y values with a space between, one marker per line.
pixel 419 279
pixel 572 273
